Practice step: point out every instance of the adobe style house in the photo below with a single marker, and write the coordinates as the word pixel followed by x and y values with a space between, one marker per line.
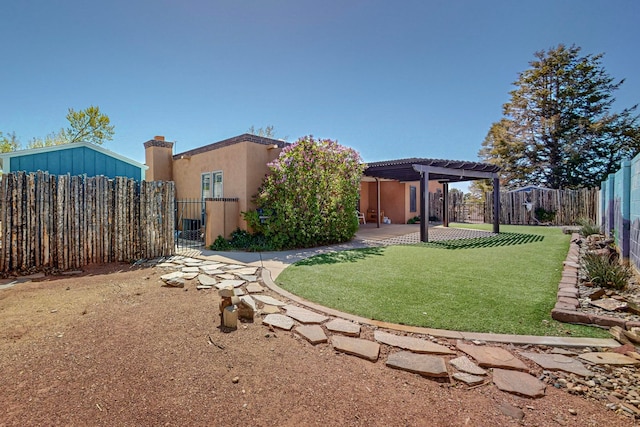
pixel 221 179
pixel 224 175
pixel 399 201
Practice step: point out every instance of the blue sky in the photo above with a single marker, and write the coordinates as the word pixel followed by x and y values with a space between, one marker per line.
pixel 391 79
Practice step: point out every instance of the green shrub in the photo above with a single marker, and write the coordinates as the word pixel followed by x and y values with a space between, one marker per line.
pixel 544 215
pixel 220 244
pixel 243 240
pixel 414 220
pixel 309 197
pixel 605 271
pixel 587 227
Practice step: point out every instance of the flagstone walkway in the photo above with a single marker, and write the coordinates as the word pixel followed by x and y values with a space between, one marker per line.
pixel 578 364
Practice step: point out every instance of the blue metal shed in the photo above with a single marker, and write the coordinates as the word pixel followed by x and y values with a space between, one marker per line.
pixel 77 158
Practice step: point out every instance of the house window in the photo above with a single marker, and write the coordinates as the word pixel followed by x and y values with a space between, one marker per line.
pixel 212 185
pixel 412 198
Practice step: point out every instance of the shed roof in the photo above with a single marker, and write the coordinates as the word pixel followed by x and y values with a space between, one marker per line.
pixel 72 145
pixel 441 170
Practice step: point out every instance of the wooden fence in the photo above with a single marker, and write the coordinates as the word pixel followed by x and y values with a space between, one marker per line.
pixel 64 222
pixel 569 206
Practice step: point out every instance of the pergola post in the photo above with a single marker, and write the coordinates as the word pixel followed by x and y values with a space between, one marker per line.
pixel 496 205
pixel 445 204
pixel 424 206
pixel 378 203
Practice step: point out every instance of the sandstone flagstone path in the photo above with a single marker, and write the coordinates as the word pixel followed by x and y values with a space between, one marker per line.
pixel 416 345
pixel 559 362
pixel 468 363
pixel 356 346
pixel 423 364
pixel 518 383
pixel 493 357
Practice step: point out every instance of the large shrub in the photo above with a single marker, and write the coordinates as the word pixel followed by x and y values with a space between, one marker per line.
pixel 309 198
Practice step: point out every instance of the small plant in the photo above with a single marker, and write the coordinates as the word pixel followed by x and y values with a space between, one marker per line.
pixel 414 220
pixel 220 244
pixel 544 215
pixel 587 227
pixel 605 271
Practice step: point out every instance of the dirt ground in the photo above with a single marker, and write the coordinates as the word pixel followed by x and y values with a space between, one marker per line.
pixel 114 347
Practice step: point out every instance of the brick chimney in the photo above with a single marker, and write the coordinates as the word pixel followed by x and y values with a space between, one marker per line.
pixel 158 155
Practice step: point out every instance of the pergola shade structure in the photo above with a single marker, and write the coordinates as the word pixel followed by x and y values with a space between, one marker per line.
pixel 443 171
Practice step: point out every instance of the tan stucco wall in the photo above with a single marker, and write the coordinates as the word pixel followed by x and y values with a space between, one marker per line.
pixel 222 219
pixel 243 167
pixel 159 160
pixel 394 199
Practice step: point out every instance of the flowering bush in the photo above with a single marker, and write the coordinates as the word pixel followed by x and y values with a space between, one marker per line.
pixel 309 198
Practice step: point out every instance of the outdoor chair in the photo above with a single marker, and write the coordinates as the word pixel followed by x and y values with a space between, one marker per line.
pixel 360 216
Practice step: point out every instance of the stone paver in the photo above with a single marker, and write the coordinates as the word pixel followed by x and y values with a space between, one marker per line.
pixel 279 321
pixel 270 309
pixel 468 379
pixel 211 271
pixel 493 357
pixel 416 345
pixel 203 287
pixel 559 362
pixel 266 299
pixel 247 277
pixel 232 266
pixel 609 304
pixel 190 269
pixel 238 292
pixel 233 283
pixel 608 358
pixel 249 301
pixel 246 270
pixel 189 276
pixel 303 315
pixel 423 364
pixel 464 364
pixel 172 275
pixel 312 333
pixel 226 276
pixel 205 280
pixel 355 346
pixel 254 288
pixel 343 327
pixel 518 383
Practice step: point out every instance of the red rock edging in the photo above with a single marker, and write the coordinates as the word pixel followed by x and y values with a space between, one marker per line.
pixel 567 308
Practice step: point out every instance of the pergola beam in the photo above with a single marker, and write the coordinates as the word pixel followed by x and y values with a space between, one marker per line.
pixel 425 171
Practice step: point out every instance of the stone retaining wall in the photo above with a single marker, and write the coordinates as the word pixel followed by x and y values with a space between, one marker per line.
pixel 567 308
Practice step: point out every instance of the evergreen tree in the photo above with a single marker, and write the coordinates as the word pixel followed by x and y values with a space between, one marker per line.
pixel 559 130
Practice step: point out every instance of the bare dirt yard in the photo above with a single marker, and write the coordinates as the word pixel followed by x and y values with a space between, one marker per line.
pixel 114 347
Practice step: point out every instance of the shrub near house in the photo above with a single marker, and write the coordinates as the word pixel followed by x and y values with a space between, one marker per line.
pixel 309 197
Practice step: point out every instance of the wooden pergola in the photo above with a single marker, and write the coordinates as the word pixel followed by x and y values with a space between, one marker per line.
pixel 443 171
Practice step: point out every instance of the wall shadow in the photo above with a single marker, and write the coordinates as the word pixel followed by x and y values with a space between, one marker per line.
pixel 502 239
pixel 351 255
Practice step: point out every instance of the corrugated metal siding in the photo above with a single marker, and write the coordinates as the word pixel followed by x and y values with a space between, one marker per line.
pixel 75 161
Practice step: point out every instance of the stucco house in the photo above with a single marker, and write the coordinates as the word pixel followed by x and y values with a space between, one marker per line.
pixel 77 158
pixel 220 179
pixel 399 201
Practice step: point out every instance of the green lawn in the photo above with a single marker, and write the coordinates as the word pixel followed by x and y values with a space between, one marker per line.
pixel 503 284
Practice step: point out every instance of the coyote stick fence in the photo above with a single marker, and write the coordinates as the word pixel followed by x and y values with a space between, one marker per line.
pixel 65 222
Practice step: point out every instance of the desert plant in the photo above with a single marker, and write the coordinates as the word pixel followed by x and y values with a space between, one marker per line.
pixel 587 227
pixel 605 271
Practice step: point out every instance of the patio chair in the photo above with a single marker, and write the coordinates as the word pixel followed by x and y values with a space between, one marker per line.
pixel 360 216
